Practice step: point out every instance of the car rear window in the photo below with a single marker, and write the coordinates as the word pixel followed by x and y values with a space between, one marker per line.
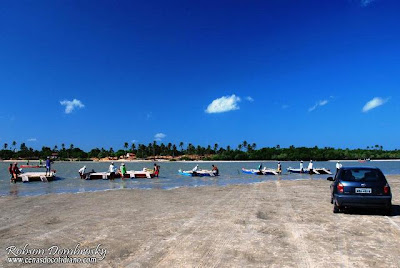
pixel 361 175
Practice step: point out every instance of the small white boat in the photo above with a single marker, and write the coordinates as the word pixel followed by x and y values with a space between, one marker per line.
pixel 317 171
pixel 143 174
pixel 36 176
pixel 198 173
pixel 264 171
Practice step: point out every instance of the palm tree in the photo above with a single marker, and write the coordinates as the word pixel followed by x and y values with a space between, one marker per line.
pixel 173 150
pixel 228 148
pixel 126 145
pixel 14 144
pixel 245 144
pixel 240 147
pixel 133 147
pixel 216 147
pixel 169 148
pixel 181 145
pixel 254 146
pixel 249 148
pixel 5 146
pixel 55 148
pixel 71 146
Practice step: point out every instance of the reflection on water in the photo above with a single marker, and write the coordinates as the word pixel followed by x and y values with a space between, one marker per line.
pixel 68 180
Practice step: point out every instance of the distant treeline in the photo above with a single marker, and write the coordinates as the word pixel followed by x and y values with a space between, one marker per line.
pixel 244 151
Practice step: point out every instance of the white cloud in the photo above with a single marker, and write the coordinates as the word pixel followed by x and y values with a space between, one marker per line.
pixel 32 140
pixel 372 104
pixel 250 99
pixel 134 141
pixel 223 104
pixel 71 105
pixel 319 103
pixel 159 136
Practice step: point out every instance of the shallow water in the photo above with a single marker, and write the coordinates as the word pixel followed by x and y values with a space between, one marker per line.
pixel 68 179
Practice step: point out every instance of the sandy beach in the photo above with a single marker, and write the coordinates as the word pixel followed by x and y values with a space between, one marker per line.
pixel 269 224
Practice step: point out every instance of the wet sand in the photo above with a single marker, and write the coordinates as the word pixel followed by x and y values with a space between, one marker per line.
pixel 270 224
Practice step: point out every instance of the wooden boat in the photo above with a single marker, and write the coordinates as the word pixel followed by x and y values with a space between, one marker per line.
pixel 317 171
pixel 99 175
pixel 198 173
pixel 264 171
pixel 143 174
pixel 36 176
pixel 130 174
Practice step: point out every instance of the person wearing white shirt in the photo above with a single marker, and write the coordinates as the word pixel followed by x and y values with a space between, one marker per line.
pixel 301 166
pixel 112 170
pixel 338 166
pixel 82 172
pixel 310 167
pixel 195 168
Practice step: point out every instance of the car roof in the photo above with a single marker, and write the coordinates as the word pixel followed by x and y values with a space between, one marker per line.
pixel 354 167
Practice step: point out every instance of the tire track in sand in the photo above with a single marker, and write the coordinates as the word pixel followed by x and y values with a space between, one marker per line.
pixel 155 249
pixel 211 257
pixel 290 222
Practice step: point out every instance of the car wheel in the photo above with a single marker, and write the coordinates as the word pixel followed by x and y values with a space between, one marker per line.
pixel 388 210
pixel 331 199
pixel 336 208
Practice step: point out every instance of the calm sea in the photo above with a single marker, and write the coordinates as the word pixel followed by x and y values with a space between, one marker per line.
pixel 68 180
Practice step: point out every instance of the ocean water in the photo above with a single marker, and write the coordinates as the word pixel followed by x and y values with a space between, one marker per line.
pixel 68 180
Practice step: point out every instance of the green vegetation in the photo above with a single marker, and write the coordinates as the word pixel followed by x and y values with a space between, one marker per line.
pixel 244 151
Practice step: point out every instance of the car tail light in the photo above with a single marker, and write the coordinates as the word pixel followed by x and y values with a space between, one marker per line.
pixel 340 188
pixel 386 189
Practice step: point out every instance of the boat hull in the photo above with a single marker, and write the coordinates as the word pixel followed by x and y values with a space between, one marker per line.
pixel 199 173
pixel 35 176
pixel 316 171
pixel 258 172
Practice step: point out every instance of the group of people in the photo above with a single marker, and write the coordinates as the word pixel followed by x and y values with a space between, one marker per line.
pixel 309 168
pixel 14 170
pixel 214 169
pixel 278 169
pixel 121 171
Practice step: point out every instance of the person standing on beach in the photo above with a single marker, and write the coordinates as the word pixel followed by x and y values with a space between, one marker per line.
pixel 338 166
pixel 279 168
pixel 48 166
pixel 301 166
pixel 122 170
pixel 310 167
pixel 111 169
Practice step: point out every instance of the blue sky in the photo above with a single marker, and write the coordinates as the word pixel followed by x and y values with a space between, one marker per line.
pixel 99 73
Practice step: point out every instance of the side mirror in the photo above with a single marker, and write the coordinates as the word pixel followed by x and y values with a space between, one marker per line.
pixel 330 179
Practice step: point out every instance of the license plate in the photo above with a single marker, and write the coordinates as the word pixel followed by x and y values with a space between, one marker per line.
pixel 363 190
